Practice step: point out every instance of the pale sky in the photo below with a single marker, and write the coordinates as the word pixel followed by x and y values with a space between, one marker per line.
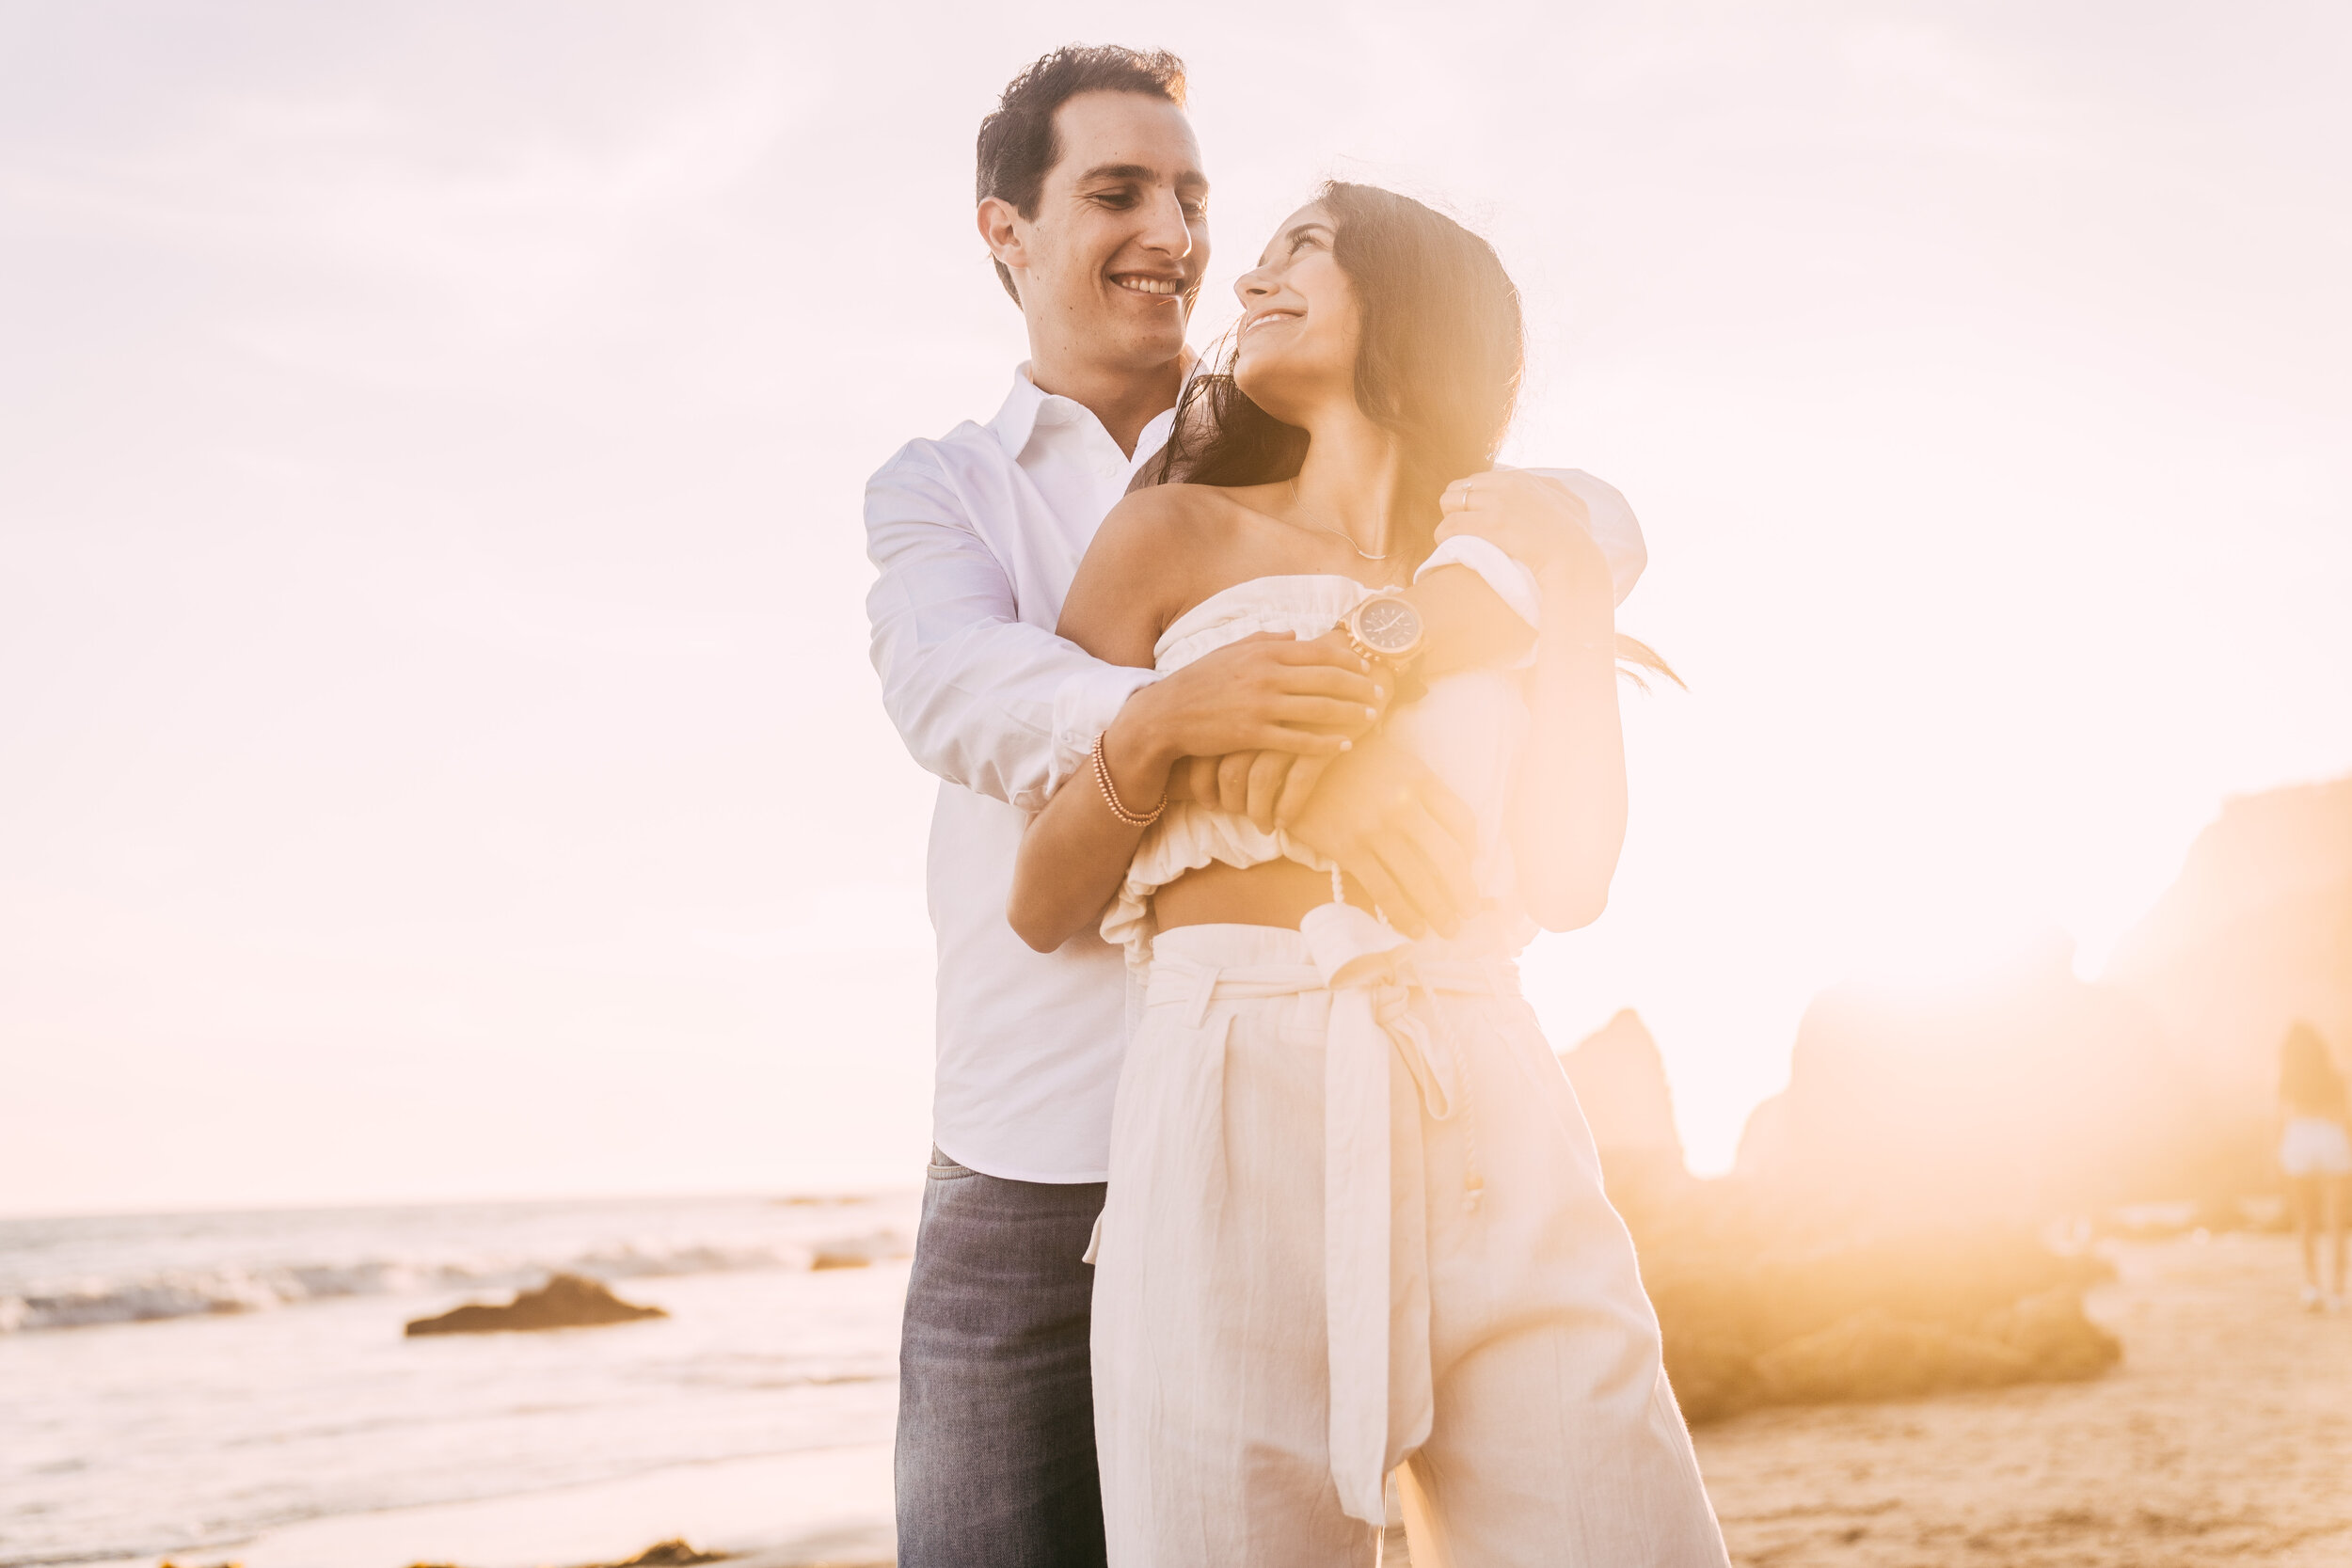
pixel 438 753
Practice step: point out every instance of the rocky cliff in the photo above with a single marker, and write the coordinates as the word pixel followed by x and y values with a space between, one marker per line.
pixel 2255 933
pixel 1620 1080
pixel 2020 1092
pixel 2029 1091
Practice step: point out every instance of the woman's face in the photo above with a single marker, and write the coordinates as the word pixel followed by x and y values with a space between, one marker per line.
pixel 1300 322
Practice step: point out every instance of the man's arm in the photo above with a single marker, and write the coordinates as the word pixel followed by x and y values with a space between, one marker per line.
pixel 983 698
pixel 1011 710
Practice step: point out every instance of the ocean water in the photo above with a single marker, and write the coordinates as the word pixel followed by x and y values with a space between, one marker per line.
pixel 183 1383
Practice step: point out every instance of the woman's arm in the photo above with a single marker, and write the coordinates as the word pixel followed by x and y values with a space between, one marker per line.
pixel 1567 815
pixel 1263 693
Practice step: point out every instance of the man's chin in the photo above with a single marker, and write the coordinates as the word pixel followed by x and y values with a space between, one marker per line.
pixel 1145 348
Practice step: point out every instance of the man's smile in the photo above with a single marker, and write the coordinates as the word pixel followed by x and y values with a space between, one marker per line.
pixel 1144 283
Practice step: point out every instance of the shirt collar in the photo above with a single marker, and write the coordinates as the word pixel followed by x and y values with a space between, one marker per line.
pixel 1017 420
pixel 1027 406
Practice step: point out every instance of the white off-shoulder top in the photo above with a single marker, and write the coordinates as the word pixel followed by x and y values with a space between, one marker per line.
pixel 1468 727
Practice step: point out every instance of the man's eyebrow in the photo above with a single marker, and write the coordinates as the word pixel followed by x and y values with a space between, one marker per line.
pixel 1191 176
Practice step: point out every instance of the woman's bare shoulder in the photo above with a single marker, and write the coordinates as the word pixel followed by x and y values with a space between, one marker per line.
pixel 1140 566
pixel 1173 513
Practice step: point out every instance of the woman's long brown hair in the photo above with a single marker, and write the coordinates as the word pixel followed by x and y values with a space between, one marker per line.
pixel 1442 352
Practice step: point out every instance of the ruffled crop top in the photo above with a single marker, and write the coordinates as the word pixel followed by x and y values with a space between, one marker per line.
pixel 1468 727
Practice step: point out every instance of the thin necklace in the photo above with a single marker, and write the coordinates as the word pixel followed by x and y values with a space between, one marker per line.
pixel 1337 533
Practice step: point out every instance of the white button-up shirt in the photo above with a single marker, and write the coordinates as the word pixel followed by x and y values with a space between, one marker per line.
pixel 975 537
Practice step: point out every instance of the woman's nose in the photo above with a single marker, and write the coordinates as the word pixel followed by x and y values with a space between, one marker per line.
pixel 1252 284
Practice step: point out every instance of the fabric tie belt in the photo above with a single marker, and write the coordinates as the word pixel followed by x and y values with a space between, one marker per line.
pixel 1371 973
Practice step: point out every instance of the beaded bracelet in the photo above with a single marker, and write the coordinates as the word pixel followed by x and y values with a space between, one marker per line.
pixel 1110 793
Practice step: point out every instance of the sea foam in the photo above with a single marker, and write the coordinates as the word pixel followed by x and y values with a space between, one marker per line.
pixel 162 1294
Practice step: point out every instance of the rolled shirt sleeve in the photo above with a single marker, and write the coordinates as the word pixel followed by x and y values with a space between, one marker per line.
pixel 1613 525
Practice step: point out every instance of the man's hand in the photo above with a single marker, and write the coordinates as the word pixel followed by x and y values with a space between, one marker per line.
pixel 1541 524
pixel 1269 693
pixel 1407 839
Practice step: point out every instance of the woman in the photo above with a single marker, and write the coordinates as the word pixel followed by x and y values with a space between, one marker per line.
pixel 2316 1155
pixel 1355 1219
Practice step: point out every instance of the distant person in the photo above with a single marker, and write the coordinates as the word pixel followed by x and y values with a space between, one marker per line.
pixel 1093 207
pixel 1355 1221
pixel 2316 1154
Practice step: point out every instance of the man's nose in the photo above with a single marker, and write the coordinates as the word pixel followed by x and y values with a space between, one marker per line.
pixel 1164 227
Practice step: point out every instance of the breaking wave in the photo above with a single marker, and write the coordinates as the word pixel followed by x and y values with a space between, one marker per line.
pixel 171 1293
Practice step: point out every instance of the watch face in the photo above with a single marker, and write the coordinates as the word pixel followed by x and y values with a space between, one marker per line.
pixel 1389 626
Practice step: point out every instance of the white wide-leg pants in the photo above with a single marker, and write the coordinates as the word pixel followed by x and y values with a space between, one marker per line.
pixel 1355 1220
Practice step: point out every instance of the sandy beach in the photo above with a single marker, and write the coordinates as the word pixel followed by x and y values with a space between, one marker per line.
pixel 2224 1437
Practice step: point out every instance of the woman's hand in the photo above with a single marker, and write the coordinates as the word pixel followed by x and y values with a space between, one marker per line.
pixel 1394 825
pixel 1541 524
pixel 1272 788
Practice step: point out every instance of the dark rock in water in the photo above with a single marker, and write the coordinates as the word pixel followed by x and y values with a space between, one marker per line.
pixel 662 1554
pixel 856 1252
pixel 827 1257
pixel 567 1301
pixel 667 1554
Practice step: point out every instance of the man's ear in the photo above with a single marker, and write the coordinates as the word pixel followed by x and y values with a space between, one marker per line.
pixel 1000 231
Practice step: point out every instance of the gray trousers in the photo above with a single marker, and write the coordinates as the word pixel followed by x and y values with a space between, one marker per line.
pixel 995 1452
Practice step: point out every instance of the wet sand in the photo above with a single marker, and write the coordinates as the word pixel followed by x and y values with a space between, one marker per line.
pixel 2225 1437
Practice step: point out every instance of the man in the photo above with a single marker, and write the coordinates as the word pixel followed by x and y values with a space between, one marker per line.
pixel 1093 206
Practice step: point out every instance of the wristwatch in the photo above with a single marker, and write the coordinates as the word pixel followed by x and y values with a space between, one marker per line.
pixel 1385 627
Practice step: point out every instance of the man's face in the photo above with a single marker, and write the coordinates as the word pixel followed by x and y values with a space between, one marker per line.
pixel 1108 267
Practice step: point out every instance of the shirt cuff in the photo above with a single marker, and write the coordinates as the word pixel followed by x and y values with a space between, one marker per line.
pixel 1084 707
pixel 1612 523
pixel 1513 583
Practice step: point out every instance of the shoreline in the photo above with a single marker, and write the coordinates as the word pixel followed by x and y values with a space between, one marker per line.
pixel 816 1506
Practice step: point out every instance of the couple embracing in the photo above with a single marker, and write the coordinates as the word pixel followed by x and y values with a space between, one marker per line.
pixel 1271 722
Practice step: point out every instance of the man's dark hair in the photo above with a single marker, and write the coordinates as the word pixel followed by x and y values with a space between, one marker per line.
pixel 1018 147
